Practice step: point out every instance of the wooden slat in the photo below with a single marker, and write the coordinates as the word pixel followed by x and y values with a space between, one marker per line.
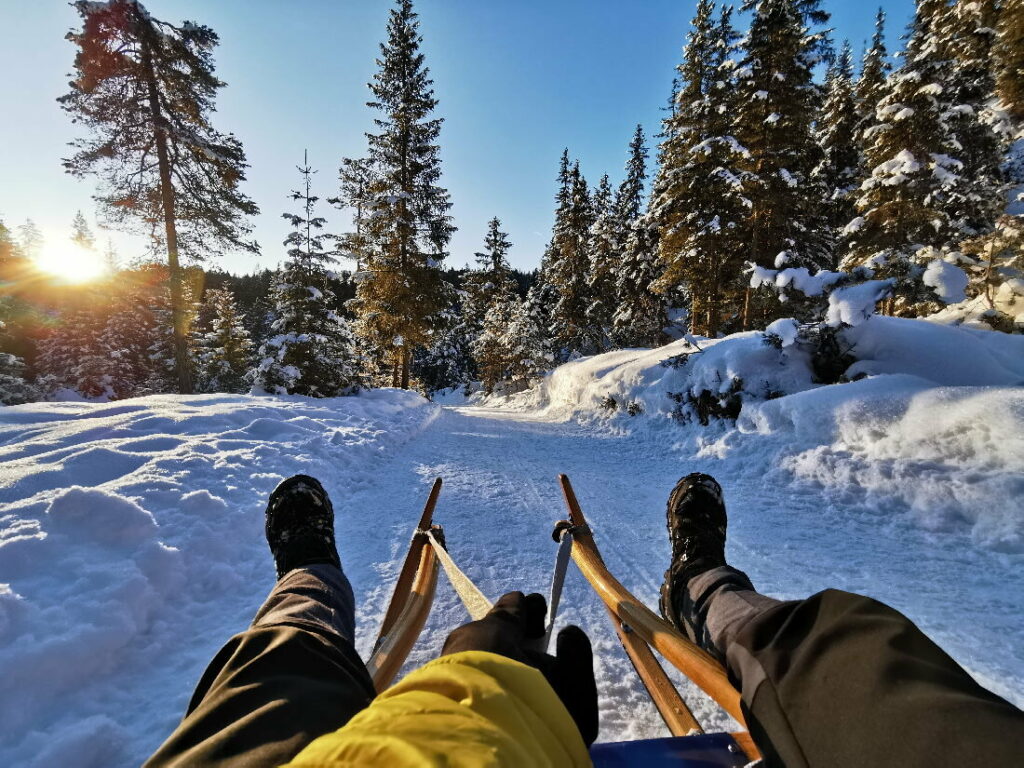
pixel 394 647
pixel 666 698
pixel 409 566
pixel 689 659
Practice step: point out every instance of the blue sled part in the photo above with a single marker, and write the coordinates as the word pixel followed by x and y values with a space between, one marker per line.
pixel 706 750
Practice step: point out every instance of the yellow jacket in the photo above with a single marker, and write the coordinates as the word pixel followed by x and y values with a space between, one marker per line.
pixel 468 710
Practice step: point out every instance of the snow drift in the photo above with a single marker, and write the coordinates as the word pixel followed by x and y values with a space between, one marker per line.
pixel 930 416
pixel 122 524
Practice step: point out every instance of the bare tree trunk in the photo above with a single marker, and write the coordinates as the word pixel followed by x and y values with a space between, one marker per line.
pixel 181 360
pixel 406 364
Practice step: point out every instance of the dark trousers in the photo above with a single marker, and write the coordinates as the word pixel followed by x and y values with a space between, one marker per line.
pixel 292 676
pixel 843 680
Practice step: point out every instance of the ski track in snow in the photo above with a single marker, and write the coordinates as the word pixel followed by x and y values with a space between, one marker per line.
pixel 498 505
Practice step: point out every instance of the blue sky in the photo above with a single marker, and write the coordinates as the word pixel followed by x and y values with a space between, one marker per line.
pixel 517 82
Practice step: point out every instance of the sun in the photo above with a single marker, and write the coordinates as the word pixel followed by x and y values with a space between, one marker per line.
pixel 70 261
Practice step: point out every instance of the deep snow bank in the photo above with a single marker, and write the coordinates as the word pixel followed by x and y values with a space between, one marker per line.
pixel 123 524
pixel 933 424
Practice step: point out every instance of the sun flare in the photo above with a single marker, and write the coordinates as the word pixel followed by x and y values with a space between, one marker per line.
pixel 70 261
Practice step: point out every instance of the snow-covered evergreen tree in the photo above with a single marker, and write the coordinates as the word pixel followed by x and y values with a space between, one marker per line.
pixel 911 205
pixel 14 385
pixel 312 351
pixel 836 131
pixel 969 32
pixel 604 251
pixel 491 281
pixel 1009 59
pixel 640 317
pixel 567 269
pixel 698 200
pixel 874 70
pixel 73 355
pixel 776 101
pixel 447 359
pixel 225 351
pixel 511 350
pixel 401 293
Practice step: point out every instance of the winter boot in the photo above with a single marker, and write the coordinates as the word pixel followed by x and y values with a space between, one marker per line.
pixel 696 528
pixel 300 525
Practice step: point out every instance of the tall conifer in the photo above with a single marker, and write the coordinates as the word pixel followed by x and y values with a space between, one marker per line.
pixel 145 88
pixel 776 104
pixel 401 292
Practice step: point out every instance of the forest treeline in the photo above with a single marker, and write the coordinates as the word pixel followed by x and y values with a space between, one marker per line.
pixel 784 179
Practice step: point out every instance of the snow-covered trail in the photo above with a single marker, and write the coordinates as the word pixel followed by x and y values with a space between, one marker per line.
pixel 500 500
pixel 104 631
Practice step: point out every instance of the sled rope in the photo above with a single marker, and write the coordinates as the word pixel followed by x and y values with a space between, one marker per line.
pixel 476 603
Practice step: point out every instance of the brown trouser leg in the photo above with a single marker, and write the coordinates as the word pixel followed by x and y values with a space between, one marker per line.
pixel 292 676
pixel 842 680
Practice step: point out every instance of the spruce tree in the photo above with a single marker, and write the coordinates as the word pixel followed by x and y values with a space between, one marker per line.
pixel 355 190
pixel 311 351
pixel 225 352
pixel 73 355
pixel 604 251
pixel 909 205
pixel 870 86
pixel 836 131
pixel 492 280
pixel 30 240
pixel 1009 59
pixel 81 235
pixel 144 89
pixel 401 292
pixel 567 269
pixel 969 29
pixel 512 348
pixel 775 108
pixel 698 202
pixel 15 388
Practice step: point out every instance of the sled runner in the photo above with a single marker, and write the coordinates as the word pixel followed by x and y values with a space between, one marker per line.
pixel 639 629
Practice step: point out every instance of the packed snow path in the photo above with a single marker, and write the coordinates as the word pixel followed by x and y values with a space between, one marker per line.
pixel 101 674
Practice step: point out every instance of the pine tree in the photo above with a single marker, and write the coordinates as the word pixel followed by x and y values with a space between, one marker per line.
pixel 30 240
pixel 491 281
pixel 604 250
pixel 355 190
pixel 836 133
pixel 137 341
pixel 568 267
pixel 14 385
pixel 144 89
pixel 640 316
pixel 447 361
pixel 775 109
pixel 698 202
pixel 312 351
pixel 871 84
pixel 73 356
pixel 401 291
pixel 969 29
pixel 81 235
pixel 907 206
pixel 1009 59
pixel 225 351
pixel 512 348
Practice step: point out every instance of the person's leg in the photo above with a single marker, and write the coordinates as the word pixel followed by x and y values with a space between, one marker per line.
pixel 834 680
pixel 293 675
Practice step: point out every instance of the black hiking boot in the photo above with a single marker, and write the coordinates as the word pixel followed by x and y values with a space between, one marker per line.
pixel 696 528
pixel 300 525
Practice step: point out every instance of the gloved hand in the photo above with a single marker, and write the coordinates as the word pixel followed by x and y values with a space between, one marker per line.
pixel 514 624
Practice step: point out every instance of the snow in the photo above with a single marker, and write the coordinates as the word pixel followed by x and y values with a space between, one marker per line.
pixel 853 304
pixel 947 280
pixel 131 540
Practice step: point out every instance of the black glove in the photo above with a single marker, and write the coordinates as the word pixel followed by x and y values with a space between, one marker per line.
pixel 512 629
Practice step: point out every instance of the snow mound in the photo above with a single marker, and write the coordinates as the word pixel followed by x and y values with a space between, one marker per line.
pixel 122 528
pixel 930 424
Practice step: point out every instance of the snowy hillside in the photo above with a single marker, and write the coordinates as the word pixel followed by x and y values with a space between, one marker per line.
pixel 131 541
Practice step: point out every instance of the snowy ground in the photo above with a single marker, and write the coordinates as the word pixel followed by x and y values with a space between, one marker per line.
pixel 121 589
